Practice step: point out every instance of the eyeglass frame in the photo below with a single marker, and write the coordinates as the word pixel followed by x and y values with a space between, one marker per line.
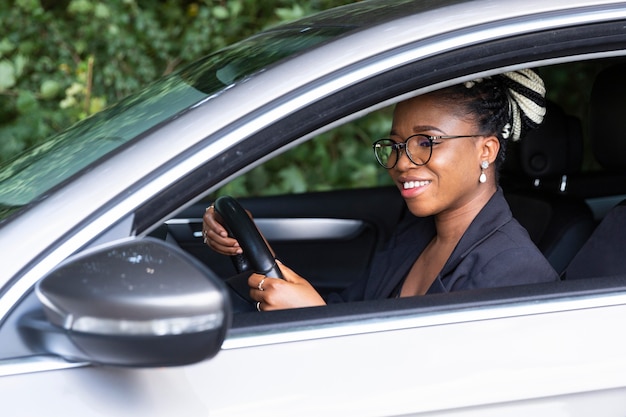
pixel 397 146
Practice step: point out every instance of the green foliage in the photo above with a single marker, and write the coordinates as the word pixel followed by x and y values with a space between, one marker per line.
pixel 340 158
pixel 61 61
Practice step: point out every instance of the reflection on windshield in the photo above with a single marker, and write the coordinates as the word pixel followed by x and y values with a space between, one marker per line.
pixel 45 166
pixel 240 60
pixel 32 174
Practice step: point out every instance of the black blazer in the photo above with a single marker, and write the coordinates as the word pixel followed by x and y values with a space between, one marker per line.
pixel 495 251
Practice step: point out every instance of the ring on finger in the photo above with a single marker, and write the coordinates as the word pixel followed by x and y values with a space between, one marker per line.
pixel 258 306
pixel 260 286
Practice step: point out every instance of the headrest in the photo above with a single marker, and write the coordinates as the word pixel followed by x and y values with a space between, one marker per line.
pixel 555 148
pixel 608 118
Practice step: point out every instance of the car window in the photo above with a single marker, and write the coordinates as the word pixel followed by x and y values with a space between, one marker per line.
pixel 569 85
pixel 341 158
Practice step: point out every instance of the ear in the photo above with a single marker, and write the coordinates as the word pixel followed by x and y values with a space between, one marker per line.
pixel 489 148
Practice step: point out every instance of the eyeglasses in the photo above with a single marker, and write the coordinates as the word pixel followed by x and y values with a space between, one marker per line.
pixel 419 149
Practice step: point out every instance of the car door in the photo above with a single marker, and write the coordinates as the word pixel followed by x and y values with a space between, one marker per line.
pixel 491 353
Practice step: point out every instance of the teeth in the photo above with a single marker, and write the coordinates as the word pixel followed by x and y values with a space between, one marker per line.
pixel 414 184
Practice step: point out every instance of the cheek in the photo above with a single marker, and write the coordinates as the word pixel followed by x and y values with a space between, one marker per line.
pixel 456 166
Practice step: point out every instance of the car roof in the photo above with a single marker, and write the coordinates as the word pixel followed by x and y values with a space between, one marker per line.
pixel 371 13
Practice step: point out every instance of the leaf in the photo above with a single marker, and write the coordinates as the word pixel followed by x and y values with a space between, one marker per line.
pixel 235 7
pixel 26 102
pixel 30 6
pixel 286 14
pixel 49 89
pixel 7 75
pixel 220 12
pixel 293 180
pixel 19 64
pixel 80 7
pixel 102 11
pixel 10 145
pixel 6 46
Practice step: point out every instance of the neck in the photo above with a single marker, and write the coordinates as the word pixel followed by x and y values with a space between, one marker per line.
pixel 453 223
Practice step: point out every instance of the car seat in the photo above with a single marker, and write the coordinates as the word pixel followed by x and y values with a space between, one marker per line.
pixel 604 254
pixel 557 222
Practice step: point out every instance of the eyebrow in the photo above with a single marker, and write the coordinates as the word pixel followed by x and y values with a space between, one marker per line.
pixel 420 129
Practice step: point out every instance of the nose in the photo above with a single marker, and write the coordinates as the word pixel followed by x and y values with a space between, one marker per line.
pixel 403 162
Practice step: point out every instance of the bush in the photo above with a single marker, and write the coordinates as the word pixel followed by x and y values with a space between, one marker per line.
pixel 61 61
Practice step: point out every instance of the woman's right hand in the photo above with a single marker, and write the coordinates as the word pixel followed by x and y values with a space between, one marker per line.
pixel 216 236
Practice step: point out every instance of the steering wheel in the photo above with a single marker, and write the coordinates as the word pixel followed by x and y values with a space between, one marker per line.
pixel 257 256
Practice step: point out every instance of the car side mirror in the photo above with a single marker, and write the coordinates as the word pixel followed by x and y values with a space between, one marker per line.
pixel 138 303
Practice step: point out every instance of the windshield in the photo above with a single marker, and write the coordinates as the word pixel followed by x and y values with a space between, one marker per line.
pixel 31 175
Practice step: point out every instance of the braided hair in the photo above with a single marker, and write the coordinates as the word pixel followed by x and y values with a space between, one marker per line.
pixel 506 105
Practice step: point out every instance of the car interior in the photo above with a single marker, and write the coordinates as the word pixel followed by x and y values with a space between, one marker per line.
pixel 604 251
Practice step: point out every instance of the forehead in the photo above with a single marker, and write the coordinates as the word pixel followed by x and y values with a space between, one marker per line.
pixel 432 110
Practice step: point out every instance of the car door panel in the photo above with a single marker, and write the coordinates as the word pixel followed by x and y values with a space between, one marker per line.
pixel 327 237
pixel 437 367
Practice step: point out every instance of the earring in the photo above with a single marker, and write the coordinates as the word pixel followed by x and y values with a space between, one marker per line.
pixel 483 166
pixel 506 131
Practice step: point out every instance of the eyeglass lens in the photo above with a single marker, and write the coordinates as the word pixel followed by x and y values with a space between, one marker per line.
pixel 418 149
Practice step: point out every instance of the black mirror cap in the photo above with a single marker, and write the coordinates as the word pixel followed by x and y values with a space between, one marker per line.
pixel 145 352
pixel 139 303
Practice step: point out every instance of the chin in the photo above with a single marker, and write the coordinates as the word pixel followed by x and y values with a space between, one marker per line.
pixel 420 210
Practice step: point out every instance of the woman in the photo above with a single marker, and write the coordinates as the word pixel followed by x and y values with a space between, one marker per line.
pixel 443 153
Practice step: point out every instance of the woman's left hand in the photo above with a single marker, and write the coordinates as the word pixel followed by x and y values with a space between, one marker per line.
pixel 291 292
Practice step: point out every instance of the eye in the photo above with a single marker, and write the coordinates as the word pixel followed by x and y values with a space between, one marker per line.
pixel 423 141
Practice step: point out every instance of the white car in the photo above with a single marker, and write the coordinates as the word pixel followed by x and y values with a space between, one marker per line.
pixel 111 305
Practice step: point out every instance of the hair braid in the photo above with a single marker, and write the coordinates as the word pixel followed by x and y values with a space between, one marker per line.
pixel 505 105
pixel 527 100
